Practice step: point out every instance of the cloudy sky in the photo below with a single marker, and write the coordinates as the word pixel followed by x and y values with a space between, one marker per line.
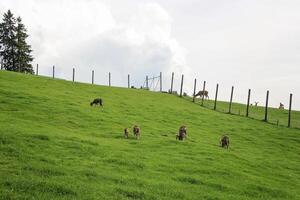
pixel 248 44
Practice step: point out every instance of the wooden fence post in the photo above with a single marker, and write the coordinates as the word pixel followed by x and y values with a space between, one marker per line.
pixel 230 103
pixel 172 82
pixel 37 70
pixel 53 71
pixel 73 77
pixel 290 110
pixel 203 93
pixel 109 79
pixel 128 80
pixel 92 76
pixel 181 85
pixel 216 96
pixel 160 81
pixel 147 84
pixel 248 102
pixel 266 108
pixel 195 83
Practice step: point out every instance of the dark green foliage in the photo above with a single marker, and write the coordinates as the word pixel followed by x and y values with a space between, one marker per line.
pixel 15 53
pixel 24 57
pixel 8 41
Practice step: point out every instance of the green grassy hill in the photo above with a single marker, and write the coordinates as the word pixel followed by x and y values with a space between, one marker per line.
pixel 275 116
pixel 53 145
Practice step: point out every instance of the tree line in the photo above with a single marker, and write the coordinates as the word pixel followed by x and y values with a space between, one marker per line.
pixel 15 52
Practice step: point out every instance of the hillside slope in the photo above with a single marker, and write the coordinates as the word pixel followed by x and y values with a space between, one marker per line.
pixel 53 145
pixel 275 116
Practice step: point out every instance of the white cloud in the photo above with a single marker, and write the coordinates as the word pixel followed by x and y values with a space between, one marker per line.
pixel 249 44
pixel 85 35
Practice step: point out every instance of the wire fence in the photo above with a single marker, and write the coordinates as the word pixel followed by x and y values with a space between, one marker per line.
pixel 277 116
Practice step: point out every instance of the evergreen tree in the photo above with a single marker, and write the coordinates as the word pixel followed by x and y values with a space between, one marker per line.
pixel 8 41
pixel 14 50
pixel 24 57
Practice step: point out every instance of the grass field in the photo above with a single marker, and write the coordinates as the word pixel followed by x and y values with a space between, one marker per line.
pixel 53 145
pixel 275 115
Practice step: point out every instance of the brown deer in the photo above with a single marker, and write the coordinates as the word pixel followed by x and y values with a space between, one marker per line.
pixel 126 132
pixel 224 141
pixel 202 93
pixel 137 132
pixel 181 133
pixel 97 101
pixel 281 106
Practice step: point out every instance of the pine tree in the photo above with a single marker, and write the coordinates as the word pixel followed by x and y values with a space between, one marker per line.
pixel 14 50
pixel 24 58
pixel 8 41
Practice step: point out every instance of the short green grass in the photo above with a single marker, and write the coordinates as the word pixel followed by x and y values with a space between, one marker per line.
pixel 53 145
pixel 275 116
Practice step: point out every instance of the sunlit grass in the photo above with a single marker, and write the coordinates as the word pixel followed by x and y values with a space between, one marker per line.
pixel 53 145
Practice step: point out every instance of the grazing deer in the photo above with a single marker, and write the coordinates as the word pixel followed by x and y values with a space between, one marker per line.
pixel 137 132
pixel 281 106
pixel 224 141
pixel 182 133
pixel 126 132
pixel 97 101
pixel 173 92
pixel 202 93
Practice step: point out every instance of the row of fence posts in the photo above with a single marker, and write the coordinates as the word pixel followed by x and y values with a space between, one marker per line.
pixel 109 77
pixel 73 75
pixel 231 98
pixel 194 92
pixel 160 81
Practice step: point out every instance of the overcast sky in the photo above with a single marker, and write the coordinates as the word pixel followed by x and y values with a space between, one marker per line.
pixel 248 44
